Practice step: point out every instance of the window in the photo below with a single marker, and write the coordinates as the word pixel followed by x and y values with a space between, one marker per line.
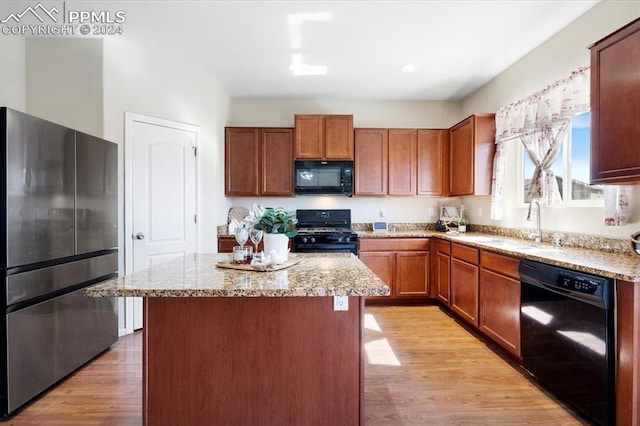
pixel 572 165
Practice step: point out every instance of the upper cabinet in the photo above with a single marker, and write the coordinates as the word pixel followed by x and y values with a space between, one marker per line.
pixel 400 162
pixel 371 161
pixel 385 162
pixel 433 162
pixel 472 149
pixel 615 107
pixel 258 161
pixel 323 137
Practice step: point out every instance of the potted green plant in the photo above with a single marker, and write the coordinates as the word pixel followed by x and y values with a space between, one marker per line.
pixel 278 226
pixel 462 224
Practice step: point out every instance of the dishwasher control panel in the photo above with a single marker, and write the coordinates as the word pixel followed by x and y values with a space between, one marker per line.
pixel 577 285
pixel 582 284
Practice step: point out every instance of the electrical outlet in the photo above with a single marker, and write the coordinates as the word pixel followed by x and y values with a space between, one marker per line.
pixel 340 303
pixel 432 212
pixel 383 211
pixel 479 211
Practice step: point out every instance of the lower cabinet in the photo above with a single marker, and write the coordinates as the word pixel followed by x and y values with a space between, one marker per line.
pixel 442 271
pixel 485 292
pixel 500 300
pixel 464 282
pixel 402 263
pixel 382 263
pixel 412 273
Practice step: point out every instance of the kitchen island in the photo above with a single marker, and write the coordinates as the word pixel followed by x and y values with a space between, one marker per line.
pixel 234 347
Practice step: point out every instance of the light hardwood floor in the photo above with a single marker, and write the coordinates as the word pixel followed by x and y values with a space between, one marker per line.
pixel 438 373
pixel 422 369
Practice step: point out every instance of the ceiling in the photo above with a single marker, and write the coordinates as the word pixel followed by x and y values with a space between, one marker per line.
pixel 455 46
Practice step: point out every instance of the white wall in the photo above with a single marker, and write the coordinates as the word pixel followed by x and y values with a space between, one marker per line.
pixel 554 59
pixel 137 81
pixel 13 73
pixel 551 61
pixel 89 84
pixel 363 209
pixel 64 82
pixel 403 114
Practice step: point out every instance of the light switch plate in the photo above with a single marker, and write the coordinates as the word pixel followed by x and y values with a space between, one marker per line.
pixel 340 303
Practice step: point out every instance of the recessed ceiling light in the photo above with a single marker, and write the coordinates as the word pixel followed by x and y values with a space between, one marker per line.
pixel 296 21
pixel 408 68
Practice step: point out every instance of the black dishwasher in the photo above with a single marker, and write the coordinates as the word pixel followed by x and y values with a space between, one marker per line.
pixel 568 337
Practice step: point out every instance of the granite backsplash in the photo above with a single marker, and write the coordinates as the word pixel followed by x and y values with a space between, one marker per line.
pixel 565 239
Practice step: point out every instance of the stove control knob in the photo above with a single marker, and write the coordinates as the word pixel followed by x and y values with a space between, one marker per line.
pixel 304 239
pixel 313 240
pixel 340 239
pixel 347 239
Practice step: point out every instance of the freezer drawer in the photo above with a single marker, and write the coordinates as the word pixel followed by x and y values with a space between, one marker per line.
pixel 49 340
pixel 27 285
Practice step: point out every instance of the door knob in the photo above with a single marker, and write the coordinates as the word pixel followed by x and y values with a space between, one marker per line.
pixel 139 236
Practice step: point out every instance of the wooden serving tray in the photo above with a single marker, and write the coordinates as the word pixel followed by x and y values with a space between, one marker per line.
pixel 258 268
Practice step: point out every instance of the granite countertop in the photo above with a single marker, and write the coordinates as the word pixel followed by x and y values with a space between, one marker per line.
pixel 612 265
pixel 197 276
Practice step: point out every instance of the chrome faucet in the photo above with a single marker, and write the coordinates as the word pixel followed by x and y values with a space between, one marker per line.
pixel 538 234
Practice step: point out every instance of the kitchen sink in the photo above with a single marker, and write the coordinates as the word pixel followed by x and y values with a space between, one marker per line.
pixel 512 245
pixel 479 239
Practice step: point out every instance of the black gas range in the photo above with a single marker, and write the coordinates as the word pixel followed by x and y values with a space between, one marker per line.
pixel 325 231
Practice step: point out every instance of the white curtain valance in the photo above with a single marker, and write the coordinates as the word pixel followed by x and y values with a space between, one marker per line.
pixel 552 106
pixel 539 122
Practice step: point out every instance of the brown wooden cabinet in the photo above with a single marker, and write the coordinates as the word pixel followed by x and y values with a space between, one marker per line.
pixel 500 300
pixel 241 150
pixel 402 161
pixel 276 162
pixel 252 361
pixel 371 161
pixel 615 107
pixel 433 162
pixel 323 137
pixel 472 149
pixel 464 282
pixel 412 273
pixel 402 263
pixel 383 264
pixel 443 271
pixel 258 161
pixel 627 352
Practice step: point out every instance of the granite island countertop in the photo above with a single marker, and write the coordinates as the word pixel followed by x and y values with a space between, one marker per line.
pixel 196 275
pixel 598 262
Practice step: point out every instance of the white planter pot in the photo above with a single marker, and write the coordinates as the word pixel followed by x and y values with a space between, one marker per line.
pixel 276 246
pixel 462 228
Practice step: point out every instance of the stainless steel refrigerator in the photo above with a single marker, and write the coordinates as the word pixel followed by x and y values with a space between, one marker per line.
pixel 59 235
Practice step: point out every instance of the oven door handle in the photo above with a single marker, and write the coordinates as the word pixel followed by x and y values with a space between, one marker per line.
pixel 326 245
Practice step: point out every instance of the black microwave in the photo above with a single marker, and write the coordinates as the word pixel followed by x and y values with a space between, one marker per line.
pixel 324 177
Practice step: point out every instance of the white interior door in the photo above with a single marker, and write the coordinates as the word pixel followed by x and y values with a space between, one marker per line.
pixel 161 216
